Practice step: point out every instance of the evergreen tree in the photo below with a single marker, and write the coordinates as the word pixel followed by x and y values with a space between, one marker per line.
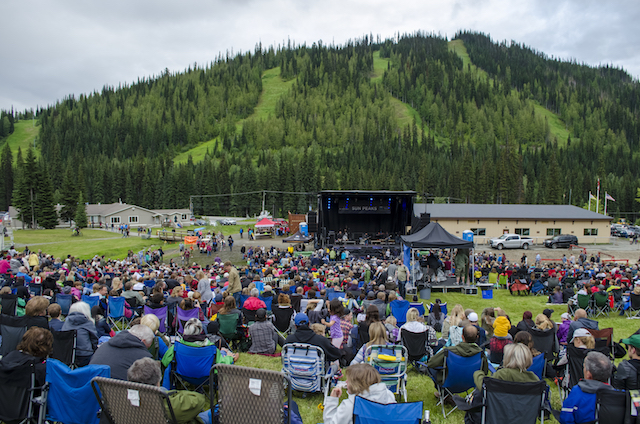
pixel 81 213
pixel 69 196
pixel 20 198
pixel 6 177
pixel 46 208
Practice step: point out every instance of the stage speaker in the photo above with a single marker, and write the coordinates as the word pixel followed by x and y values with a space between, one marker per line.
pixel 425 219
pixel 312 221
pixel 331 237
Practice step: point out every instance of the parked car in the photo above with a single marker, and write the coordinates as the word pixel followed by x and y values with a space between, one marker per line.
pixel 563 240
pixel 228 221
pixel 511 241
pixel 200 222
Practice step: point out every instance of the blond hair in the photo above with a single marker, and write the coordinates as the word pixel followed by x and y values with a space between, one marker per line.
pixel 391 320
pixel 151 321
pixel 319 329
pixel 361 377
pixel 588 341
pixel 377 334
pixel 457 315
pixel 543 323
pixel 517 356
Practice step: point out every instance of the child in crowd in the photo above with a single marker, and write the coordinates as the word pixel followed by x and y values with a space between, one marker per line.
pixel 336 310
pixel 54 311
pixel 391 324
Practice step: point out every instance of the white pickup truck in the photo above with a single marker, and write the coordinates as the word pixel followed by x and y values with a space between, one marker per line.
pixel 511 241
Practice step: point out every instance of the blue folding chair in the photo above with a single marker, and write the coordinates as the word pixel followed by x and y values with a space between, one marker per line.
pixel 35 289
pixel 268 301
pixel 334 295
pixel 305 366
pixel 243 298
pixel 161 313
pixel 443 308
pixel 391 363
pixel 458 376
pixel 399 310
pixel 66 384
pixel 91 300
pixel 259 286
pixel 368 412
pixel 64 300
pixel 115 313
pixel 419 306
pixel 191 365
pixel 87 288
pixel 538 365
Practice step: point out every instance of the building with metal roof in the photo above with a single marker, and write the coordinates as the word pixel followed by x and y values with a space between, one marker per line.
pixel 539 222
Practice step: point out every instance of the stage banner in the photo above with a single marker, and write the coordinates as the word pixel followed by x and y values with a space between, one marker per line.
pixel 406 257
pixel 190 240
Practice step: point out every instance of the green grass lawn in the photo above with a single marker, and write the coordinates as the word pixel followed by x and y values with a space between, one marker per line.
pixel 379 66
pixel 420 387
pixel 23 136
pixel 272 88
pixel 60 243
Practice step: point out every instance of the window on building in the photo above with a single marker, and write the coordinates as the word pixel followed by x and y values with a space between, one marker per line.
pixel 522 231
pixel 184 216
pixel 479 231
pixel 590 231
pixel 115 219
pixel 553 231
pixel 133 220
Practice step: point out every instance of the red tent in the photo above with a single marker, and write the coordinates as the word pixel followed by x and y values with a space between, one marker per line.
pixel 265 223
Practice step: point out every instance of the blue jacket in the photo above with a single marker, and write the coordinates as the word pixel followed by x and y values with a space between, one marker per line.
pixel 580 405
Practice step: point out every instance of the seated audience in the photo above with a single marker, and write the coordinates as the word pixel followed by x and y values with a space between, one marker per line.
pixel 35 346
pixel 414 326
pixel 580 320
pixel 500 339
pixel 122 350
pixel 264 337
pixel 55 324
pixel 628 371
pixel 80 319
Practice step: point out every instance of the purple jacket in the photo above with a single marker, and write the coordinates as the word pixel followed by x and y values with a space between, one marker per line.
pixel 563 330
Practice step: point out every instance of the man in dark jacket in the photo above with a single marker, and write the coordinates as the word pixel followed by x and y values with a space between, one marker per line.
pixel 123 350
pixel 580 405
pixel 626 377
pixel 466 348
pixel 580 320
pixel 304 334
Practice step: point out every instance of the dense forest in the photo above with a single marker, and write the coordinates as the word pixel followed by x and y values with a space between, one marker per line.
pixel 476 136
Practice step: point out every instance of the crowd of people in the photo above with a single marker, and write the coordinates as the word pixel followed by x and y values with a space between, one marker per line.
pixel 339 303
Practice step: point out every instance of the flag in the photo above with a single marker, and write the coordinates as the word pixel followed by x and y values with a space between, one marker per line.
pixel 591 196
pixel 608 197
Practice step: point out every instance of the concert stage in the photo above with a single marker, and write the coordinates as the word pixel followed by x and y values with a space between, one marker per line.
pixel 363 218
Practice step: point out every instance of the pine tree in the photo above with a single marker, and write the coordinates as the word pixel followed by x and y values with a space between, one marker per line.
pixel 6 177
pixel 81 213
pixel 20 198
pixel 46 210
pixel 69 196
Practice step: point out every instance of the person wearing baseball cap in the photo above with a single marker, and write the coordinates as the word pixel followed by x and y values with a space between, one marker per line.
pixel 264 337
pixel 304 334
pixel 626 377
pixel 482 334
pixel 583 339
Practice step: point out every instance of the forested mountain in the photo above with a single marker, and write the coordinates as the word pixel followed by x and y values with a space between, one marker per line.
pixel 478 136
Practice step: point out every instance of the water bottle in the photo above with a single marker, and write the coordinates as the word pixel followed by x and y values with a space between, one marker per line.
pixel 427 419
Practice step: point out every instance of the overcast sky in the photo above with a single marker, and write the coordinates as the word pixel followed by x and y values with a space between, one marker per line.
pixel 51 49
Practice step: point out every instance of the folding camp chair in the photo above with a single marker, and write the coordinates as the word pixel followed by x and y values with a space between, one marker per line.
pixel 538 366
pixel 64 300
pixel 419 306
pixel 634 306
pixel 162 314
pixel 510 402
pixel 574 371
pixel 65 384
pixel 584 302
pixel 613 406
pixel 124 402
pixel 250 395
pixel 243 298
pixel 600 304
pixel 604 339
pixel 229 326
pixel 391 363
pixel 12 329
pixel 183 316
pixel 249 315
pixel 91 300
pixel 618 303
pixel 21 400
pixel 305 366
pixel 416 348
pixel 368 412
pixel 268 301
pixel 191 365
pixel 399 310
pixel 283 321
pixel 457 376
pixel 334 295
pixel 64 347
pixel 546 342
pixel 35 289
pixel 116 313
pixel 8 304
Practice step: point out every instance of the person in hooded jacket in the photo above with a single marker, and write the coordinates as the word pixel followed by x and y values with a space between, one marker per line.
pixel 35 346
pixel 626 376
pixel 122 350
pixel 304 334
pixel 80 319
pixel 580 405
pixel 580 320
pixel 362 380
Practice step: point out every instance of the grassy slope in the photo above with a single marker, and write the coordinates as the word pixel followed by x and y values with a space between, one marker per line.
pixel 61 243
pixel 556 125
pixel 23 136
pixel 272 88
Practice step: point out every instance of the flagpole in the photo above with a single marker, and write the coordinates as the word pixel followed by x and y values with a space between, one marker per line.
pixel 605 203
pixel 590 196
pixel 598 197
